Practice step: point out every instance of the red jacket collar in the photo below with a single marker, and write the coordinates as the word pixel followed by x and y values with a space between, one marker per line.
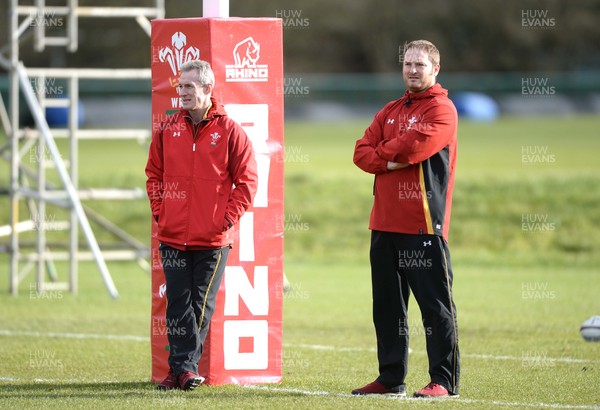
pixel 435 90
pixel 216 110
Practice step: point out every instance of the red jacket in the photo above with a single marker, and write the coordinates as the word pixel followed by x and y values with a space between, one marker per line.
pixel 199 185
pixel 421 130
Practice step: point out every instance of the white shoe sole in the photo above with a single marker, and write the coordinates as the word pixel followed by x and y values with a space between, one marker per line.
pixel 447 396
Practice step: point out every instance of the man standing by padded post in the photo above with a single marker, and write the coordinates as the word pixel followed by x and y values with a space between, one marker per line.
pixel 201 179
pixel 410 147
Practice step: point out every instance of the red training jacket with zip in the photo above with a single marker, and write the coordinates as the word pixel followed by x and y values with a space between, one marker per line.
pixel 200 185
pixel 419 129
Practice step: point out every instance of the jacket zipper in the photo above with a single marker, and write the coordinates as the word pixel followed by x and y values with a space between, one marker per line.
pixel 194 131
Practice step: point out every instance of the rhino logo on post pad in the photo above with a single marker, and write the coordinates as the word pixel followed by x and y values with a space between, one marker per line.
pixel 245 68
pixel 246 53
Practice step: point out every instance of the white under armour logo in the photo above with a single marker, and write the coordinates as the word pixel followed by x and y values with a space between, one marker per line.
pixel 426 243
pixel 390 121
pixel 177 133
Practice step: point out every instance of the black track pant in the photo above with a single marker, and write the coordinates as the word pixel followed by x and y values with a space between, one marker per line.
pixel 193 279
pixel 402 263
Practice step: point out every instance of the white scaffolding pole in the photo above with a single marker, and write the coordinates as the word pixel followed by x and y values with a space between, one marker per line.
pixel 48 141
pixel 14 152
pixel 43 139
pixel 215 8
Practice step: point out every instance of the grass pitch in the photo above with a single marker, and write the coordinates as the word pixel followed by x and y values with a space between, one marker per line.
pixel 522 291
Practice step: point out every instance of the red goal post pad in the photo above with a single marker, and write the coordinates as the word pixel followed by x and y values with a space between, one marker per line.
pixel 244 343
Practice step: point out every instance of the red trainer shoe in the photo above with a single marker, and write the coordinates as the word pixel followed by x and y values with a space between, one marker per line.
pixel 189 381
pixel 378 388
pixel 434 391
pixel 169 383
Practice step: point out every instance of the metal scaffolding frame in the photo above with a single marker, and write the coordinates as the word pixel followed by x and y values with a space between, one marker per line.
pixel 67 196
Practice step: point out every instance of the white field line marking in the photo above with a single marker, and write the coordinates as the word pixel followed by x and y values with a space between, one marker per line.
pixel 74 335
pixel 58 381
pixel 329 394
pixel 459 400
pixel 462 355
pixel 4 332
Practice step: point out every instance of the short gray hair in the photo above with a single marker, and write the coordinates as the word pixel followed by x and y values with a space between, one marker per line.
pixel 205 73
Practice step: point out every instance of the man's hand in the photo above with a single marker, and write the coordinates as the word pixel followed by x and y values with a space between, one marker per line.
pixel 392 166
